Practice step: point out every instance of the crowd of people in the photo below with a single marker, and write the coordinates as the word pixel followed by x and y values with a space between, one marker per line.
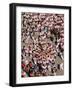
pixel 42 44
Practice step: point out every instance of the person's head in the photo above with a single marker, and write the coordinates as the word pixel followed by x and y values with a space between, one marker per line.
pixel 31 73
pixel 30 64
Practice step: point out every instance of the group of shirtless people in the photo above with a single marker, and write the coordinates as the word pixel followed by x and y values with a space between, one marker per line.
pixel 42 41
